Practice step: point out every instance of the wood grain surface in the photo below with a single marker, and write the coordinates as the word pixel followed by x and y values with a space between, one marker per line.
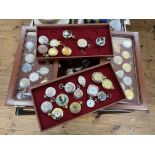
pixel 137 122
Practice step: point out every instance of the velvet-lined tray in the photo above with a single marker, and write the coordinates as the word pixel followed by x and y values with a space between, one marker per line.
pixel 86 31
pixel 38 93
pixel 28 35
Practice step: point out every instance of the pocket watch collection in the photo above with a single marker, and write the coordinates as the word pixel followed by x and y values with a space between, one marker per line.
pixel 57 103
pixel 123 67
pixel 50 47
pixel 29 74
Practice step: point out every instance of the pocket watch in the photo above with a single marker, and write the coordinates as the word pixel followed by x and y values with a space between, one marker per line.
pixel 62 100
pixel 69 87
pixel 126 67
pixel 42 49
pixel 127 43
pixel 100 41
pixel 92 90
pixel 102 96
pixel 82 43
pixel 129 94
pixel 67 34
pixel 23 95
pixel 52 52
pixel 127 80
pixel 98 77
pixel 24 83
pixel 26 67
pixel 33 77
pixel 82 81
pixel 54 43
pixel 43 70
pixel 120 73
pixel 46 107
pixel 75 107
pixel 118 60
pixel 44 80
pixel 126 55
pixel 30 58
pixel 43 40
pixel 107 84
pixel 78 93
pixel 29 45
pixel 66 51
pixel 50 92
pixel 90 103
pixel 56 114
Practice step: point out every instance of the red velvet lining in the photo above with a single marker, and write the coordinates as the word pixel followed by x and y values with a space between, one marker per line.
pixel 38 95
pixel 88 32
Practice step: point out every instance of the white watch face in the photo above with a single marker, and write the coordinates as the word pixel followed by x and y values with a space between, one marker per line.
pixel 30 58
pixel 120 73
pixel 50 92
pixel 29 45
pixel 26 68
pixel 70 87
pixel 82 43
pixel 33 77
pixel 24 83
pixel 54 43
pixel 46 107
pixel 90 103
pixel 43 40
pixel 43 70
pixel 82 80
pixel 67 34
pixel 127 80
pixel 92 90
pixel 118 60
pixel 127 43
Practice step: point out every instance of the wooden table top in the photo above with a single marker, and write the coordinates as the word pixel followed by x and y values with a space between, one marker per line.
pixel 137 122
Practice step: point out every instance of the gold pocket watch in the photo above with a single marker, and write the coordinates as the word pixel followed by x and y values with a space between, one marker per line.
pixel 75 107
pixel 98 77
pixel 56 113
pixel 66 51
pixel 129 94
pixel 52 52
pixel 127 67
pixel 107 84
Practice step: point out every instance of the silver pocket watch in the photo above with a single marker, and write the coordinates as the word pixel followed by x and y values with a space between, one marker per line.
pixel 69 87
pixel 92 90
pixel 50 92
pixel 78 93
